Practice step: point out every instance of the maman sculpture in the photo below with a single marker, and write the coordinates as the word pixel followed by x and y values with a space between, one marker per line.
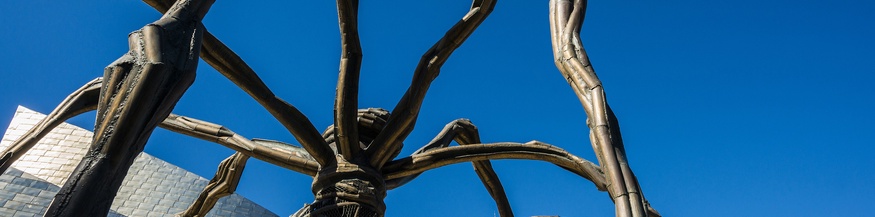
pixel 353 162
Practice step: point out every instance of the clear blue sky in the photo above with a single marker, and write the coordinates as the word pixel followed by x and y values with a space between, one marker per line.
pixel 728 108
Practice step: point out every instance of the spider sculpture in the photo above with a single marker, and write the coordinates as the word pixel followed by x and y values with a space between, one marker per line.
pixel 353 163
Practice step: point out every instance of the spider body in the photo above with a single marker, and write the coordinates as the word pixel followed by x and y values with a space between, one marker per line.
pixel 350 188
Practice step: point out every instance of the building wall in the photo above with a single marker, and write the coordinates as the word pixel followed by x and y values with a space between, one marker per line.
pixel 152 187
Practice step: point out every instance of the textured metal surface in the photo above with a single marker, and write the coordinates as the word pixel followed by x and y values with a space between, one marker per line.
pixel 22 194
pixel 152 188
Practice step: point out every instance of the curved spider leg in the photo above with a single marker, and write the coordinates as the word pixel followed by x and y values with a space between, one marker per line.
pixel 465 133
pixel 80 101
pixel 403 117
pixel 566 19
pixel 229 64
pixel 139 91
pixel 533 150
pixel 273 152
pixel 224 183
pixel 346 102
pixel 85 99
pixel 232 66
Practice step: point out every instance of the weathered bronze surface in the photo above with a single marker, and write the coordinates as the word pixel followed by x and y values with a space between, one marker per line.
pixel 354 162
pixel 223 184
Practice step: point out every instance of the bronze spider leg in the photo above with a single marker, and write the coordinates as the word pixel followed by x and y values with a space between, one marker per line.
pixel 224 183
pixel 465 133
pixel 533 150
pixel 387 145
pixel 346 101
pixel 273 152
pixel 85 99
pixel 229 64
pixel 140 90
pixel 80 101
pixel 566 19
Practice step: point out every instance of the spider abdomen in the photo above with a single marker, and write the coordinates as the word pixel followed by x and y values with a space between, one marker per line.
pixel 346 190
pixel 350 187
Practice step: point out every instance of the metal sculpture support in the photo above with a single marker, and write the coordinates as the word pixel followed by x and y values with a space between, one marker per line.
pixel 140 89
pixel 80 101
pixel 353 163
pixel 566 19
pixel 224 183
